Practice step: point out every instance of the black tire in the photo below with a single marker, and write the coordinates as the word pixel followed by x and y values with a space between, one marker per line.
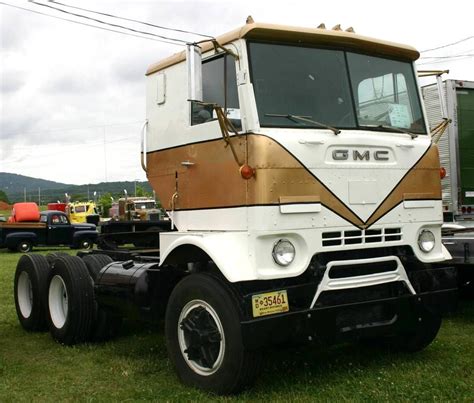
pixel 70 301
pixel 201 303
pixel 24 246
pixel 86 244
pixel 54 255
pixel 95 263
pixel 30 288
pixel 106 325
pixel 421 337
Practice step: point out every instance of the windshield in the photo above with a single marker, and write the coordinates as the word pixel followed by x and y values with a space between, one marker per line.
pixel 145 205
pixel 80 209
pixel 335 88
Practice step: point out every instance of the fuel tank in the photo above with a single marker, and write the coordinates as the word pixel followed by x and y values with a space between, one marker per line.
pixel 124 287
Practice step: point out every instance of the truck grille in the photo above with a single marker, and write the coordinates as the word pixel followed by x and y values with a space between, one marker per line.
pixel 369 236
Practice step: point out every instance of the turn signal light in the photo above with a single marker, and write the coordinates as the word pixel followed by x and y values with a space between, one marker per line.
pixel 442 172
pixel 247 171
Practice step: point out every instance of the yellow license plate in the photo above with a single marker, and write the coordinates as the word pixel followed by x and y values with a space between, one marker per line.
pixel 269 303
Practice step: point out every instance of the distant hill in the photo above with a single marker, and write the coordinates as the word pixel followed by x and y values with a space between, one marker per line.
pixel 14 186
pixel 13 183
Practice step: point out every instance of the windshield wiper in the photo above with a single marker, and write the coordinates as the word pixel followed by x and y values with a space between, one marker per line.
pixel 304 119
pixel 412 135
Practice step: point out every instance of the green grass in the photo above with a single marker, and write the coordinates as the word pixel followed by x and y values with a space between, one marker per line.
pixel 134 366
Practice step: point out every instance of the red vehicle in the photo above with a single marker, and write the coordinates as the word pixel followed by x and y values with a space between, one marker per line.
pixel 57 206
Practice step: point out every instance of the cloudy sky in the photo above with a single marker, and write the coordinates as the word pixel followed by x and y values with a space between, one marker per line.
pixel 72 97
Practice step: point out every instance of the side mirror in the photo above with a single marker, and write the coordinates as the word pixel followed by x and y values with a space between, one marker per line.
pixel 194 66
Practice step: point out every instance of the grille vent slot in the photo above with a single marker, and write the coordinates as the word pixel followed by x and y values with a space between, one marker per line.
pixel 355 237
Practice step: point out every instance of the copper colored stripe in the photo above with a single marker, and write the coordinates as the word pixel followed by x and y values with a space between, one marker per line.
pixel 280 174
pixel 421 182
pixel 214 180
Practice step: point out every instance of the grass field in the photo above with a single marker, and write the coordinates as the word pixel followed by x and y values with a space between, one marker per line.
pixel 135 367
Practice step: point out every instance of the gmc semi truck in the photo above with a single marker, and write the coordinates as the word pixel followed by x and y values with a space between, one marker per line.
pixel 303 188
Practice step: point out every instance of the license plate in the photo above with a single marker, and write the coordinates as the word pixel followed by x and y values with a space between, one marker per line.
pixel 269 303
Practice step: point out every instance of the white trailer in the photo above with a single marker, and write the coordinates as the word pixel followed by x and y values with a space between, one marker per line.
pixel 454 100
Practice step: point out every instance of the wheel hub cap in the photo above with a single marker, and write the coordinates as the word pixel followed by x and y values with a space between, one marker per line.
pixel 201 337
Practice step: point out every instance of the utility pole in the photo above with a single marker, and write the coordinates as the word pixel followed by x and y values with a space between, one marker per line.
pixel 39 196
pixel 24 193
pixel 105 153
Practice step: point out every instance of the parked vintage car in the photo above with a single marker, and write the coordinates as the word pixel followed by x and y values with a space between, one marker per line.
pixel 53 228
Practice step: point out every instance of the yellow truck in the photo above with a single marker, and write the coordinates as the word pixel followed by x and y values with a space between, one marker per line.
pixel 80 211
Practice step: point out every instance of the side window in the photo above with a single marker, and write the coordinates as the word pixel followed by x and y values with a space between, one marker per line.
pixel 43 218
pixel 63 220
pixel 219 86
pixel 161 89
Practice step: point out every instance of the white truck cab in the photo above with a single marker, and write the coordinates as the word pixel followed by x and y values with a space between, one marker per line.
pixel 300 177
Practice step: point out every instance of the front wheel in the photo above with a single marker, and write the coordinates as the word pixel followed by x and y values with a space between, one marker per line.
pixel 420 336
pixel 204 339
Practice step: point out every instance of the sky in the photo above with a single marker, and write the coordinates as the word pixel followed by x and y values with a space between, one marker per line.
pixel 72 97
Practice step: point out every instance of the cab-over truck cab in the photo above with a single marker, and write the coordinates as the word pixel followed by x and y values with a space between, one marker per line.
pixel 298 162
pixel 298 171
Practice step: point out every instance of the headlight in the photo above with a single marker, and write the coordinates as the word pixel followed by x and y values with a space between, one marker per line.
pixel 426 241
pixel 283 252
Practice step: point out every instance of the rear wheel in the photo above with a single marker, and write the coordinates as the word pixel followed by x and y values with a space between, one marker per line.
pixel 204 339
pixel 86 243
pixel 70 301
pixel 54 255
pixel 30 287
pixel 24 246
pixel 106 325
pixel 95 263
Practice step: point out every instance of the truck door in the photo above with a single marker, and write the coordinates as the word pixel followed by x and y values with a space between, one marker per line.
pixel 59 230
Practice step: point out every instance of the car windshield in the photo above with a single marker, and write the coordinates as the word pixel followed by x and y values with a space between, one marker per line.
pixel 145 205
pixel 80 209
pixel 336 88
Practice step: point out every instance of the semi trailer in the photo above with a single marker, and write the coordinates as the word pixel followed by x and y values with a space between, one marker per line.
pixel 304 195
pixel 454 101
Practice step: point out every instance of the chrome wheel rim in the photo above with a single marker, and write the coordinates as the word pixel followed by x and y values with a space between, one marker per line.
pixel 25 247
pixel 201 337
pixel 25 294
pixel 58 301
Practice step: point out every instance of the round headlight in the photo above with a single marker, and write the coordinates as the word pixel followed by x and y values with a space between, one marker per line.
pixel 426 241
pixel 283 252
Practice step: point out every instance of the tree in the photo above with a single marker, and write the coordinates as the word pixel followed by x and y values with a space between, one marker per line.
pixel 141 192
pixel 4 197
pixel 105 201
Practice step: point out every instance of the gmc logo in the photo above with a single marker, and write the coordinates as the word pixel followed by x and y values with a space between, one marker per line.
pixel 343 155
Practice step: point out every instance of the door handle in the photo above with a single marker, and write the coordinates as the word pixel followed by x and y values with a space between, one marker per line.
pixel 403 145
pixel 311 142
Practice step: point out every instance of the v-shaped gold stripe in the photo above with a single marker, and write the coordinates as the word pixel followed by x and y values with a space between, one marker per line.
pixel 214 180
